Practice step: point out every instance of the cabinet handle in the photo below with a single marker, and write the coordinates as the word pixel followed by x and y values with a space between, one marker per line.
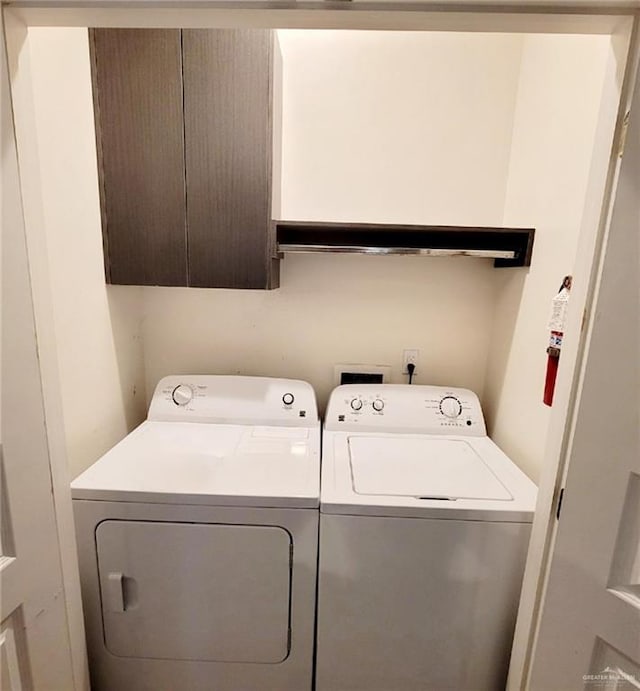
pixel 115 591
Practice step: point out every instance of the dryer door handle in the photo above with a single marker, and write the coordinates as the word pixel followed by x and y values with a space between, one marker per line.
pixel 115 591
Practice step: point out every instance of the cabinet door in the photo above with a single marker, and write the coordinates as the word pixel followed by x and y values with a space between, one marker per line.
pixel 228 144
pixel 137 79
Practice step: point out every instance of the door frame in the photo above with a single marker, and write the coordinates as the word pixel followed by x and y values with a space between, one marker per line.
pixel 568 393
pixel 620 19
pixel 39 566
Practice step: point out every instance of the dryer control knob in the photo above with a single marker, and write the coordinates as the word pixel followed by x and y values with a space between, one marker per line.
pixel 182 394
pixel 356 403
pixel 288 399
pixel 377 405
pixel 450 407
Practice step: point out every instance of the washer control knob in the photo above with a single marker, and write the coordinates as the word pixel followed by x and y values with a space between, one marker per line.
pixel 378 405
pixel 288 399
pixel 356 404
pixel 182 394
pixel 450 407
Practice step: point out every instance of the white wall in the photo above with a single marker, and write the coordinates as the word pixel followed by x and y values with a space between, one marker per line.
pixel 330 309
pixel 559 98
pixel 97 327
pixel 397 127
pixel 377 127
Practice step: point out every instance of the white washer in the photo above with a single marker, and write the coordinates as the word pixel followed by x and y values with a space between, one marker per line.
pixel 424 527
pixel 197 538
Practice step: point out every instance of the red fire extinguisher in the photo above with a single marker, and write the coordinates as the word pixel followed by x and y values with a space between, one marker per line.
pixel 556 327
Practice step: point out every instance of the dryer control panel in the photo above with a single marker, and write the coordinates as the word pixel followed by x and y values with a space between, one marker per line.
pixel 234 400
pixel 398 408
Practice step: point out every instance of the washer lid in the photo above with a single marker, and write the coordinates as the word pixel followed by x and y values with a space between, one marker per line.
pixel 425 468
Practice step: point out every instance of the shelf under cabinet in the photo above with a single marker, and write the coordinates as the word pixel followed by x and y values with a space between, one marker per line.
pixel 507 246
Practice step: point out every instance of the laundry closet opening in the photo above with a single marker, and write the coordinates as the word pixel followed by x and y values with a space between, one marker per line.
pixel 413 127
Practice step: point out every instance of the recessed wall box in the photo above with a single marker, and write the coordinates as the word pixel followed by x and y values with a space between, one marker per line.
pixel 361 374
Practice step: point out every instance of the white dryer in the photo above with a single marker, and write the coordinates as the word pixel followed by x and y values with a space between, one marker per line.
pixel 197 539
pixel 424 527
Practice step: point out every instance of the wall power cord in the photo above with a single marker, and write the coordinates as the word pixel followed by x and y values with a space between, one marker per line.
pixel 411 368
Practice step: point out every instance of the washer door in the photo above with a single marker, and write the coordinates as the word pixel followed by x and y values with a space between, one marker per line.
pixel 424 468
pixel 189 591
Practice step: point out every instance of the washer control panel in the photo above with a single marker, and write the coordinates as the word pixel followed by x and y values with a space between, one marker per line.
pixel 397 408
pixel 234 399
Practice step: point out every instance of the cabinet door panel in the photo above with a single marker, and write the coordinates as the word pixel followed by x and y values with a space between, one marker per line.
pixel 137 77
pixel 228 143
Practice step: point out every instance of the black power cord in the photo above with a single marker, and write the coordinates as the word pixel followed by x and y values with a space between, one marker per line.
pixel 411 368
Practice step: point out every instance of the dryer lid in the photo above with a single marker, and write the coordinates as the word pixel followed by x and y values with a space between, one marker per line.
pixel 424 468
pixel 210 464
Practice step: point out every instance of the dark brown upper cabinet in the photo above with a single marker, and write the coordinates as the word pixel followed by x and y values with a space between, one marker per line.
pixel 185 130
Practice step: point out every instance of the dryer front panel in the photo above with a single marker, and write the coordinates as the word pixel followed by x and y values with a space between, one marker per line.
pixel 195 591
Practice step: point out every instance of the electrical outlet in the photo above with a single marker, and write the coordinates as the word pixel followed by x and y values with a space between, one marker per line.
pixel 409 357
